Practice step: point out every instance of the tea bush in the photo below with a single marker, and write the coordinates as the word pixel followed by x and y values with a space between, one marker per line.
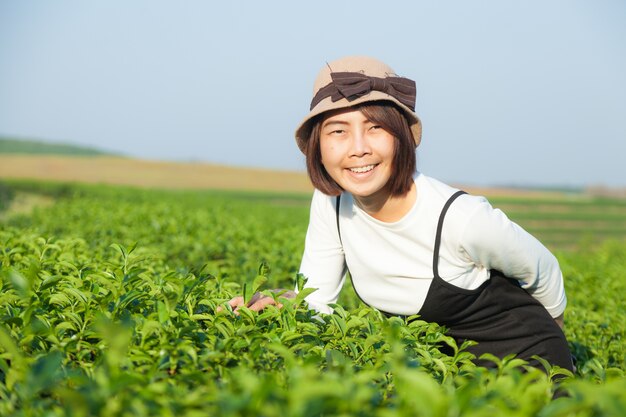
pixel 108 306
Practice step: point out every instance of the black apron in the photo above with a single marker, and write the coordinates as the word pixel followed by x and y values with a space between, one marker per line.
pixel 500 315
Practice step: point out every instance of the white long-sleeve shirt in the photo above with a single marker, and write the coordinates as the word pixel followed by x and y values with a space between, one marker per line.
pixel 391 263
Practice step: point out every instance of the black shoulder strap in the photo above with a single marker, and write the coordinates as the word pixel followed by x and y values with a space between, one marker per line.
pixel 337 202
pixel 439 229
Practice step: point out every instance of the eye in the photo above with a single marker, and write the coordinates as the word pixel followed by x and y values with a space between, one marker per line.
pixel 376 127
pixel 336 132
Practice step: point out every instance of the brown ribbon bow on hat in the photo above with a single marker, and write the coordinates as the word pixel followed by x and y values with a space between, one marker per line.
pixel 352 85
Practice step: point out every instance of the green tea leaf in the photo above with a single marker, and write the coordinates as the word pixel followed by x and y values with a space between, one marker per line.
pixel 302 294
pixel 163 312
pixel 258 282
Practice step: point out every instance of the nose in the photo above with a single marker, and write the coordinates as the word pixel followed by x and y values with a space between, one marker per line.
pixel 360 144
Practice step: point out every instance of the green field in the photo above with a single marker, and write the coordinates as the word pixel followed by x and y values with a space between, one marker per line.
pixel 108 308
pixel 34 147
pixel 574 221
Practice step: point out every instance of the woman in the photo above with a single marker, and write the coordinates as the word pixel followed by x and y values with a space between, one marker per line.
pixel 412 244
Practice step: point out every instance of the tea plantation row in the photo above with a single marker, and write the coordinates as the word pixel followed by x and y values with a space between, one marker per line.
pixel 108 307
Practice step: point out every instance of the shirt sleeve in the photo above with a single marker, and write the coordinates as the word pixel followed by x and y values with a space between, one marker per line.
pixel 493 241
pixel 323 261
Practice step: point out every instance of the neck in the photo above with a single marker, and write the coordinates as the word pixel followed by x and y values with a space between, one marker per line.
pixel 387 208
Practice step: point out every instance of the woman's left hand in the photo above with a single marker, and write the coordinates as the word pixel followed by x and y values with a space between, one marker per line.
pixel 559 320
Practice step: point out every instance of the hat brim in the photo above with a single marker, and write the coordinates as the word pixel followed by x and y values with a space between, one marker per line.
pixel 304 129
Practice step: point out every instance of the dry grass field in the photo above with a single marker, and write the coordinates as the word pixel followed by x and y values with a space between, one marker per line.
pixel 150 174
pixel 179 175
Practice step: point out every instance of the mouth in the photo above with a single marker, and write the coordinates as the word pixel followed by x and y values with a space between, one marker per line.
pixel 363 169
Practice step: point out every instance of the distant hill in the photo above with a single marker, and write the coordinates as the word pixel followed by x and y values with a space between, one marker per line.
pixel 34 147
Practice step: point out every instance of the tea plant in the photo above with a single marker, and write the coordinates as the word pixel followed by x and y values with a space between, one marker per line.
pixel 109 299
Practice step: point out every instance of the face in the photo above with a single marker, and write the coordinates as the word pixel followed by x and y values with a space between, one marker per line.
pixel 357 154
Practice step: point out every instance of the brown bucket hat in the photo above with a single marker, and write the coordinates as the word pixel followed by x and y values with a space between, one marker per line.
pixel 354 80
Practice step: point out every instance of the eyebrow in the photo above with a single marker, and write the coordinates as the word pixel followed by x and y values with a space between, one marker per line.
pixel 334 122
pixel 340 122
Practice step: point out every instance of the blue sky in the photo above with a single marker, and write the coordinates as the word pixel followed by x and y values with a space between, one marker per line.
pixel 509 93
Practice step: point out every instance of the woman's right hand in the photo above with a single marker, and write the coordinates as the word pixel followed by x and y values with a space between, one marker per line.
pixel 258 301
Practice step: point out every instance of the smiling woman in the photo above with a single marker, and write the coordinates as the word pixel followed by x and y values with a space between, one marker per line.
pixel 358 154
pixel 413 245
pixel 363 150
pixel 375 134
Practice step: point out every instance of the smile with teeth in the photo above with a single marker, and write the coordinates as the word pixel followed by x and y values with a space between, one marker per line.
pixel 361 170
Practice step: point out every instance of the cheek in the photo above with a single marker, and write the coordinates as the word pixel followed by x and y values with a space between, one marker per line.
pixel 388 147
pixel 327 152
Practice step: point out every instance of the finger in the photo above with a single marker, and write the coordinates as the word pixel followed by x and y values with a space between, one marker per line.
pixel 236 302
pixel 256 297
pixel 262 303
pixel 233 303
